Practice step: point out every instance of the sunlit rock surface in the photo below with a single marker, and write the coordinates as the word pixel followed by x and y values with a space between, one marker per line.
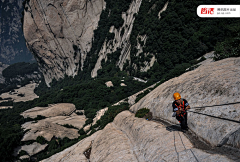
pixel 60 33
pixel 129 138
pixel 213 83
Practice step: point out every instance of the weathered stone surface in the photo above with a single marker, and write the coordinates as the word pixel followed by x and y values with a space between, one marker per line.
pixel 162 10
pixel 27 91
pixel 98 116
pixel 210 84
pixel 62 109
pixel 6 107
pixel 77 120
pixel 24 157
pixel 109 84
pixel 59 34
pixel 33 148
pixel 131 99
pixel 75 152
pixel 47 129
pixel 112 145
pixel 135 139
pixel 119 41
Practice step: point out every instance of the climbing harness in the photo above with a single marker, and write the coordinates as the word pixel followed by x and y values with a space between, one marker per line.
pixel 181 106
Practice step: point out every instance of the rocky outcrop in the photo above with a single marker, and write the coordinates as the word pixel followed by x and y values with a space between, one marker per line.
pixel 58 114
pixel 75 152
pixel 33 148
pixel 109 84
pixel 59 34
pixel 211 84
pixel 62 109
pixel 162 10
pixel 98 116
pixel 47 129
pixel 25 93
pixel 59 118
pixel 134 139
pixel 120 40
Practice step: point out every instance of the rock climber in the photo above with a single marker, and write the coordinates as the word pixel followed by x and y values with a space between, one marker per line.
pixel 180 106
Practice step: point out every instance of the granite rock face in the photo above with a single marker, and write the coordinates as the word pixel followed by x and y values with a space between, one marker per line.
pixel 214 83
pixel 129 138
pixel 59 34
pixel 47 129
pixel 61 109
pixel 120 40
pixel 33 148
pixel 59 118
pixel 27 91
pixel 57 115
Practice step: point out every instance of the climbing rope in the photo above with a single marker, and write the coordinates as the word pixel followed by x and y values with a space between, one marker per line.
pixel 215 117
pixel 233 103
pixel 186 149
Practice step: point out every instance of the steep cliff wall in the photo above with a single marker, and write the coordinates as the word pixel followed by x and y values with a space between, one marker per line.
pixel 210 84
pixel 120 40
pixel 59 34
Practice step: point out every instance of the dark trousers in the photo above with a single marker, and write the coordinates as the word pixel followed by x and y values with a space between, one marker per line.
pixel 183 121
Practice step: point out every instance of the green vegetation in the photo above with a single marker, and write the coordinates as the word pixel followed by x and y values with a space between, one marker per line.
pixel 22 152
pixel 41 140
pixel 230 47
pixel 54 146
pixel 109 115
pixel 112 15
pixel 69 126
pixel 89 95
pixel 178 37
pixel 18 70
pixel 176 40
pixel 7 103
pixel 79 113
pixel 141 95
pixel 142 112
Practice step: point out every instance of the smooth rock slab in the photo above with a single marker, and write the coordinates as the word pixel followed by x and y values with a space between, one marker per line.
pixel 61 109
pixel 213 83
pixel 129 138
pixel 47 129
pixel 27 90
pixel 75 152
pixel 33 148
